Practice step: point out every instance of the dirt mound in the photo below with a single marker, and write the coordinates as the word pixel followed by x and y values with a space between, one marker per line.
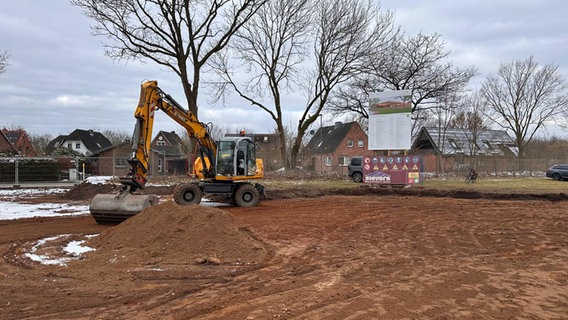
pixel 172 234
pixel 86 191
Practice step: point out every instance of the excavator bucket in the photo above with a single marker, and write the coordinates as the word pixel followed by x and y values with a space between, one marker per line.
pixel 113 209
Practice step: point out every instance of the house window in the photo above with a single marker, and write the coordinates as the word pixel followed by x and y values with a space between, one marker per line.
pixel 350 143
pixel 361 143
pixel 159 165
pixel 327 161
pixel 161 143
pixel 69 146
pixel 78 145
pixel 120 162
pixel 454 144
pixel 343 161
pixel 265 139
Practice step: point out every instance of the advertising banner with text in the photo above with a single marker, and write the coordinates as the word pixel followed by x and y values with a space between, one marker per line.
pixel 393 170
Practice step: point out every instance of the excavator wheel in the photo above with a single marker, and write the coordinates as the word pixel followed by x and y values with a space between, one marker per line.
pixel 187 193
pixel 246 196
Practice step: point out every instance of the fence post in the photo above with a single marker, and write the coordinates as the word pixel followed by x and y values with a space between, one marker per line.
pixel 16 174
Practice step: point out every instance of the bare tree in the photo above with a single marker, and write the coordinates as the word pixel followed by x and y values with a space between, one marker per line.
pixel 523 96
pixel 341 34
pixel 418 63
pixel 440 117
pixel 40 142
pixel 181 35
pixel 272 45
pixel 348 33
pixel 469 115
pixel 3 61
pixel 470 118
pixel 117 136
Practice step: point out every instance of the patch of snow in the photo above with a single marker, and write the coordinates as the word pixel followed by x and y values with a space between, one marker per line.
pixel 13 193
pixel 10 209
pixel 13 210
pixel 74 250
pixel 99 179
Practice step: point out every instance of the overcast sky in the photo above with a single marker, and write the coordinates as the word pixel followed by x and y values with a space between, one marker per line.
pixel 59 78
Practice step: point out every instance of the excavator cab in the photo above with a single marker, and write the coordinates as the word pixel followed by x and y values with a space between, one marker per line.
pixel 236 159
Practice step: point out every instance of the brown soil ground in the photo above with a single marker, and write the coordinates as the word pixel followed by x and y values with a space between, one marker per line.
pixel 360 253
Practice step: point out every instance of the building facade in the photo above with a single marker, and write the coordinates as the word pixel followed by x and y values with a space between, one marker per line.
pixel 332 147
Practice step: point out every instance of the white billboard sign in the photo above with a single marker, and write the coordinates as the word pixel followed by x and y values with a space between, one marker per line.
pixel 390 123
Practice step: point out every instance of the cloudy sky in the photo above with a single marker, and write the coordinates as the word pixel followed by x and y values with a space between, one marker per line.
pixel 59 78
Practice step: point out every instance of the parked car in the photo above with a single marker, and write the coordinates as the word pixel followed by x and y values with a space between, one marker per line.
pixel 558 172
pixel 356 169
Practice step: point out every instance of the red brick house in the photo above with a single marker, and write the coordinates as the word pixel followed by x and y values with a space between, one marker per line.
pixel 170 158
pixel 332 147
pixel 113 161
pixel 20 142
pixel 6 147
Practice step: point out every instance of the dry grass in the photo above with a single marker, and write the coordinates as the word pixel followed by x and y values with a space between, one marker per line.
pixel 503 185
pixel 484 184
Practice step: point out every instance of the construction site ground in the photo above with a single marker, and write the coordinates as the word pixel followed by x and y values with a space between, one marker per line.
pixel 355 253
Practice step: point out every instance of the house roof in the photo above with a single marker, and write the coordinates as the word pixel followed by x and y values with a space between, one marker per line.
pixel 13 135
pixel 5 144
pixel 171 137
pixel 20 140
pixel 55 143
pixel 173 145
pixel 453 141
pixel 327 139
pixel 94 141
pixel 123 143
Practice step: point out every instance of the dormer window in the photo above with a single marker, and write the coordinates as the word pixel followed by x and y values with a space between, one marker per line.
pixel 454 144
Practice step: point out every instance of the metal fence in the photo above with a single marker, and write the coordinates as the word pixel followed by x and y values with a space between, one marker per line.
pixel 16 171
pixel 20 171
pixel 489 166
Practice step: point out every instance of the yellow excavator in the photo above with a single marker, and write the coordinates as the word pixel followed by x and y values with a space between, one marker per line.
pixel 222 167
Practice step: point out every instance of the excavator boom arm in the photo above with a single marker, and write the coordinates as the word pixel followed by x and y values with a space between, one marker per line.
pixel 152 98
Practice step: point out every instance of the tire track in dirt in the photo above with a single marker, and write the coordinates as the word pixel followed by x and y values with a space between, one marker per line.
pixel 336 257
